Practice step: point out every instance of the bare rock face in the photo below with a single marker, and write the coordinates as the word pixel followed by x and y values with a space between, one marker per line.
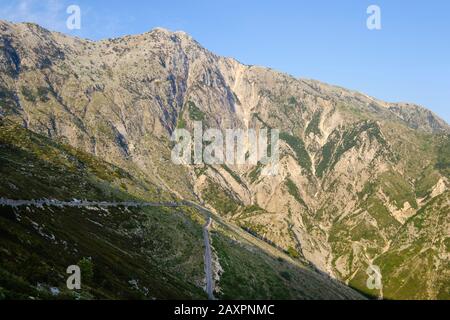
pixel 355 175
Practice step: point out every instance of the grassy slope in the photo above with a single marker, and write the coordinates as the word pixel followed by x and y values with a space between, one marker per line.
pixel 410 268
pixel 160 248
pixel 134 253
pixel 423 159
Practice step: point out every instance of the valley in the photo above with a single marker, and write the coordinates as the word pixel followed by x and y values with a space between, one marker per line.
pixel 360 181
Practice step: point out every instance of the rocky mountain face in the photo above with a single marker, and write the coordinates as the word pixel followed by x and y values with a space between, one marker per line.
pixel 124 251
pixel 361 182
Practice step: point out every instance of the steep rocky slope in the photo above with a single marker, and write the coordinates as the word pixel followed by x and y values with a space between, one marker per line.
pixel 124 251
pixel 354 175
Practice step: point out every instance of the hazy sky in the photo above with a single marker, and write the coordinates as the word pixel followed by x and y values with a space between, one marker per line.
pixel 407 60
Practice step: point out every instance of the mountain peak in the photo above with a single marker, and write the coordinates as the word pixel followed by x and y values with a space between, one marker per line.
pixel 167 32
pixel 161 30
pixel 359 179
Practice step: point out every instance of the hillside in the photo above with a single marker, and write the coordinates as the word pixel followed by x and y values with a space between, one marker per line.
pixel 361 181
pixel 127 252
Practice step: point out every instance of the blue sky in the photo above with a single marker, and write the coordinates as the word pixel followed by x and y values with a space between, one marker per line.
pixel 407 60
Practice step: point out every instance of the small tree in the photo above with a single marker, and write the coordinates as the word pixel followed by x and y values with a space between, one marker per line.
pixel 87 269
pixel 293 253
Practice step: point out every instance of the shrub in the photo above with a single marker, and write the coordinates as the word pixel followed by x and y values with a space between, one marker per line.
pixel 87 269
pixel 293 253
pixel 28 94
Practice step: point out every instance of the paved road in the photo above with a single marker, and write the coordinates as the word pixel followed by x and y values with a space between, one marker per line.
pixel 106 204
pixel 83 203
pixel 208 261
pixel 206 238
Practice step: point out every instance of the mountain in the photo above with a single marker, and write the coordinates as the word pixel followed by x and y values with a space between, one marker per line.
pixel 360 182
pixel 124 251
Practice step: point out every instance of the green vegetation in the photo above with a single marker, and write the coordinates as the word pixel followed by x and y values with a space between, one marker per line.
pixel 293 253
pixel 7 99
pixel 292 101
pixel 397 153
pixel 6 94
pixel 298 146
pixel 286 275
pixel 38 167
pixel 359 282
pixel 41 94
pixel 425 183
pixel 28 94
pixel 248 212
pixel 181 124
pixel 251 273
pixel 220 199
pixel 246 274
pixel 339 144
pixel 199 171
pixel 376 207
pixel 255 173
pixel 409 268
pixel 112 246
pixel 233 174
pixel 394 186
pixel 443 161
pixel 258 117
pixel 397 189
pixel 123 253
pixel 289 107
pixel 87 269
pixel 119 244
pixel 254 228
pixel 195 113
pixel 252 208
pixel 327 154
pixel 313 126
pixel 293 191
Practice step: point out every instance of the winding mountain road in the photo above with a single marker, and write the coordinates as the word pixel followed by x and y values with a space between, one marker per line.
pixel 84 203
pixel 208 214
pixel 106 204
pixel 208 261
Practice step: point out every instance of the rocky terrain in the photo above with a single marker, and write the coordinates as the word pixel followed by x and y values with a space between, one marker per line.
pixel 361 181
